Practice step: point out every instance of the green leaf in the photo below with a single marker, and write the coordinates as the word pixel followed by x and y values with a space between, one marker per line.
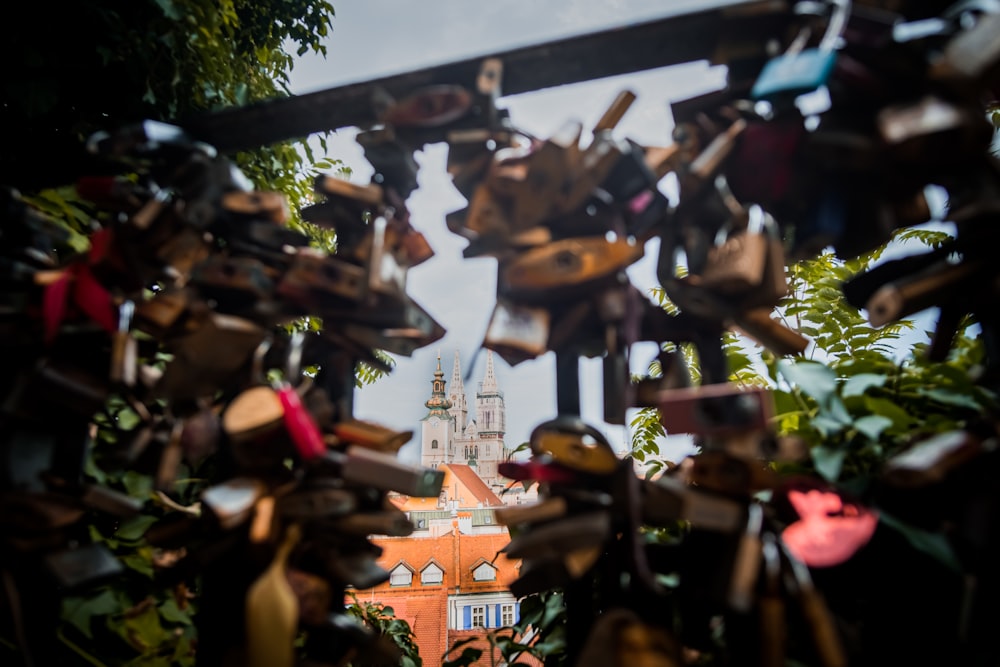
pixel 859 384
pixel 951 398
pixel 137 485
pixel 78 612
pixel 901 420
pixel 172 613
pixel 828 461
pixel 827 427
pixel 871 426
pixel 141 561
pixel 933 544
pixel 136 527
pixel 811 377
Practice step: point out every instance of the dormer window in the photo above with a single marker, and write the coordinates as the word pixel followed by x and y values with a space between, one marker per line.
pixel 484 572
pixel 401 575
pixel 432 575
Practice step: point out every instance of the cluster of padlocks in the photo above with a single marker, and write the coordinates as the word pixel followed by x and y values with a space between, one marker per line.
pixel 184 309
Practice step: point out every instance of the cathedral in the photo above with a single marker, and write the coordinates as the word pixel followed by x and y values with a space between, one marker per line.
pixel 449 435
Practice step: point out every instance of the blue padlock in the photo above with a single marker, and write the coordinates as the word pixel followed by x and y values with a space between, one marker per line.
pixel 798 70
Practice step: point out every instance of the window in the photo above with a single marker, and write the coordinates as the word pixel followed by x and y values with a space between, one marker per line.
pixel 431 575
pixel 507 614
pixel 484 572
pixel 434 444
pixel 400 576
pixel 479 616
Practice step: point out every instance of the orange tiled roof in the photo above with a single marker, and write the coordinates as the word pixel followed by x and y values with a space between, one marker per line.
pixel 476 486
pixel 451 551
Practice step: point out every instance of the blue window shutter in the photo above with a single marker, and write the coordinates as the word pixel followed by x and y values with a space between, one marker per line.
pixel 517 612
pixel 496 608
pixel 466 617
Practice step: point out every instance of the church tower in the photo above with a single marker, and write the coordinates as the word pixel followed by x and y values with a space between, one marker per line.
pixel 438 426
pixel 459 408
pixel 449 437
pixel 491 423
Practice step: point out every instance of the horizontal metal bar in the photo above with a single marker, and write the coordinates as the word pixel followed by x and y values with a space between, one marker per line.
pixel 673 39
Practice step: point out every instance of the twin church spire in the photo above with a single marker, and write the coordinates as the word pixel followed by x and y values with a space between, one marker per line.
pixel 449 435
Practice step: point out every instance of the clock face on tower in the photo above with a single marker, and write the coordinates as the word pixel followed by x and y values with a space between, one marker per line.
pixel 433 421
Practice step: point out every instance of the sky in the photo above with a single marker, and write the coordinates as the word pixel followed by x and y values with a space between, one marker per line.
pixel 372 38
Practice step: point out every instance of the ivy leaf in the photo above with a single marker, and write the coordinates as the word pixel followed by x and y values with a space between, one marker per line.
pixel 811 377
pixel 871 426
pixel 79 611
pixel 171 612
pixel 828 461
pixel 858 384
pixel 137 485
pixel 136 527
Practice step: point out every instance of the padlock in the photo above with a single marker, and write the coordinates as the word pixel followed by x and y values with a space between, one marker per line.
pixel 971 59
pixel 358 465
pixel 371 435
pixel 772 624
pixel 932 135
pixel 272 612
pixel 715 409
pixel 730 474
pixel 316 502
pixel 124 348
pixel 385 274
pixel 620 637
pixel 932 460
pixel 549 168
pixel 82 566
pixel 758 324
pixel 171 457
pixel 517 333
pixel 800 70
pixel 765 166
pixel 234 282
pixel 553 539
pixel 163 313
pixel 700 172
pixel 362 198
pixel 747 562
pixel 567 266
pixel 736 263
pixel 574 444
pixel 390 523
pixel 822 628
pixel 484 216
pixel 252 422
pixel 313 594
pixel 666 501
pixel 217 348
pixel 272 206
pixel 546 510
pixel 930 287
pixel 432 106
pixel 231 503
pixel 392 161
pixel 317 279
